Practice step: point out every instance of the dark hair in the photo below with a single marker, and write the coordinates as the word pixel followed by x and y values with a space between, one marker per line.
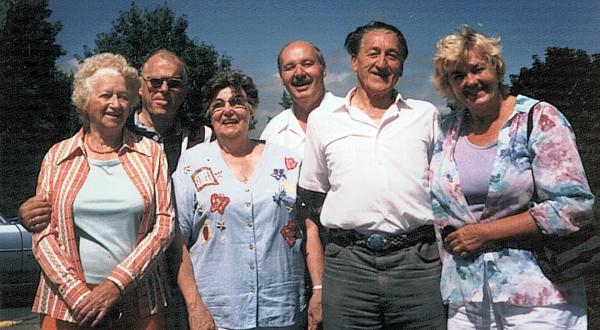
pixel 353 39
pixel 235 79
pixel 320 57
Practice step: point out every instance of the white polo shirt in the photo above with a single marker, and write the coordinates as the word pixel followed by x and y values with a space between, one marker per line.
pixel 285 130
pixel 375 176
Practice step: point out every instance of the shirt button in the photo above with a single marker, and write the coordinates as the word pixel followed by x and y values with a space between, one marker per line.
pixel 252 289
pixel 248 204
pixel 251 247
pixel 246 190
pixel 249 224
pixel 251 267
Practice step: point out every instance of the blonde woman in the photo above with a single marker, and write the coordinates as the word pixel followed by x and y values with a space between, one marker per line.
pixel 483 173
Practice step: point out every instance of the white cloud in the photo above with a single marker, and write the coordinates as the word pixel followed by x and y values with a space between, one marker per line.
pixel 69 66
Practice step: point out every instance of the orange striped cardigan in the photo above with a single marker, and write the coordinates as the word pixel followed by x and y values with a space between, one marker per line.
pixel 64 170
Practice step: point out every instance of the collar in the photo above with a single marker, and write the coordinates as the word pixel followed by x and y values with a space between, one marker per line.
pixel 131 142
pixel 399 102
pixel 139 128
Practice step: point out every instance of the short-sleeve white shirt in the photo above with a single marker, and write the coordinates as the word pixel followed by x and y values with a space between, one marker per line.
pixel 285 130
pixel 375 176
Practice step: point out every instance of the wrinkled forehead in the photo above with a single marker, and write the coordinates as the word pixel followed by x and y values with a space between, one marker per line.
pixel 228 92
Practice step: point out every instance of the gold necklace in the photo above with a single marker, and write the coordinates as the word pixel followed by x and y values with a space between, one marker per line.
pixel 87 143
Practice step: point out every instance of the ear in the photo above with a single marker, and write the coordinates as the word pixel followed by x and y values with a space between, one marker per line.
pixel 353 62
pixel 324 72
pixel 142 83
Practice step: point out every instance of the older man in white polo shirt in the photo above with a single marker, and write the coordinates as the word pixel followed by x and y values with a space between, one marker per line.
pixel 370 157
pixel 302 70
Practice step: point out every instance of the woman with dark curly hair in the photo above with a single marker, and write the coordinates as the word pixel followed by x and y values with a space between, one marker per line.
pixel 235 198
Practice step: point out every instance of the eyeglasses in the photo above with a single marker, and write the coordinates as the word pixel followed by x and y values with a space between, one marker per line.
pixel 172 83
pixel 236 102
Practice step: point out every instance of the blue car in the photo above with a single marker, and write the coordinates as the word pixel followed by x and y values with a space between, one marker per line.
pixel 18 268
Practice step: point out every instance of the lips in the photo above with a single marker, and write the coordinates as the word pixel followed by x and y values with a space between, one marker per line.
pixel 230 122
pixel 472 92
pixel 162 102
pixel 113 114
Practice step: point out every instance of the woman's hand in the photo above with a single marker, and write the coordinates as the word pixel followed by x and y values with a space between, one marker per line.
pixel 315 310
pixel 200 319
pixel 468 240
pixel 96 305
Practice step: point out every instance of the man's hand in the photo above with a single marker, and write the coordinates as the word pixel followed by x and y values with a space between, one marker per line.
pixel 35 213
pixel 96 305
pixel 200 319
pixel 315 310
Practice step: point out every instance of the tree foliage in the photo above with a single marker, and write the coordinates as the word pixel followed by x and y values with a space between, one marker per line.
pixel 286 100
pixel 34 100
pixel 136 33
pixel 570 80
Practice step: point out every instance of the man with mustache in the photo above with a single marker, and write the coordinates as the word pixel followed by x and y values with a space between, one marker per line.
pixel 370 157
pixel 302 70
pixel 162 93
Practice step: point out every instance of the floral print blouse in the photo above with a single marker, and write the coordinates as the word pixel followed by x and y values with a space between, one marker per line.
pixel 563 205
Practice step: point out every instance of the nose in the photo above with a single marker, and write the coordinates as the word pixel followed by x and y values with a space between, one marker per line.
pixel 299 70
pixel 228 110
pixel 164 87
pixel 469 79
pixel 381 62
pixel 114 101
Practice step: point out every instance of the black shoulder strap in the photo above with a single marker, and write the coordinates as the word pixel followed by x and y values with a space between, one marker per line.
pixel 529 129
pixel 530 121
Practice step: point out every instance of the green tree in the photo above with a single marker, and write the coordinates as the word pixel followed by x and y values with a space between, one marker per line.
pixel 136 33
pixel 570 80
pixel 286 100
pixel 35 95
pixel 34 98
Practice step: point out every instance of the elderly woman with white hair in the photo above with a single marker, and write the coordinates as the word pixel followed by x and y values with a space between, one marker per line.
pixel 112 215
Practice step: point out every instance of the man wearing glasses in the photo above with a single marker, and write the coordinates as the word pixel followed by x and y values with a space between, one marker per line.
pixel 162 93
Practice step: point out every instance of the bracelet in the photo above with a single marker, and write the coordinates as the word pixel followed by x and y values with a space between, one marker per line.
pixel 317 287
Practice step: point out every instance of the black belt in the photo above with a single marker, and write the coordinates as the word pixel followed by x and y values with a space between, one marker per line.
pixel 379 241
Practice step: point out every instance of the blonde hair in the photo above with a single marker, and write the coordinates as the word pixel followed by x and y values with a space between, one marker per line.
pixel 454 48
pixel 82 88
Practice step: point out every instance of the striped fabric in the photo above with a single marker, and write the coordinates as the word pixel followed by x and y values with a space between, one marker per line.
pixel 64 170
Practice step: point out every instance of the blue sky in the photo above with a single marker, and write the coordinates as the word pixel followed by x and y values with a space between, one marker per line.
pixel 252 32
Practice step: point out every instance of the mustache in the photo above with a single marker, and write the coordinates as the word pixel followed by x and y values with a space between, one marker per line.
pixel 384 73
pixel 301 80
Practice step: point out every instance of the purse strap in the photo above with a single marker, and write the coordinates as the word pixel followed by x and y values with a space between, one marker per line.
pixel 529 130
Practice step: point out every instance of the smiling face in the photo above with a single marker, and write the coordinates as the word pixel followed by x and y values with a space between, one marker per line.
pixel 162 101
pixel 302 73
pixel 474 81
pixel 230 114
pixel 108 105
pixel 379 63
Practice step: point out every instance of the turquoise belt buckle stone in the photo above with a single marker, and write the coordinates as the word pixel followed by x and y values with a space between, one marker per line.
pixel 376 241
